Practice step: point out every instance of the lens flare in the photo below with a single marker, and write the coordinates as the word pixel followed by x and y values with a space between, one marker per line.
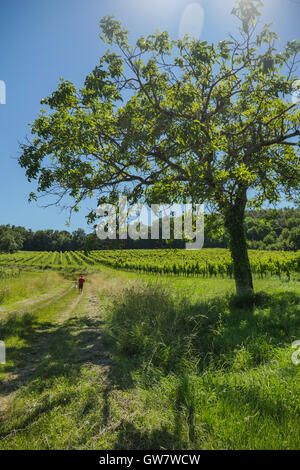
pixel 192 21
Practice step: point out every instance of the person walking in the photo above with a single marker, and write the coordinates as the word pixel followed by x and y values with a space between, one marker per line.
pixel 81 281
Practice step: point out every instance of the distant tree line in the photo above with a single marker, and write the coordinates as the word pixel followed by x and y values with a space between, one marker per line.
pixel 266 230
pixel 13 238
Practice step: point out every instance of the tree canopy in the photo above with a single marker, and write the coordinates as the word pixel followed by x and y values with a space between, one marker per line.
pixel 177 121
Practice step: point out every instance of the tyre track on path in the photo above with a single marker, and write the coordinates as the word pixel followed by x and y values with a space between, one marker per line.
pixel 16 379
pixel 87 324
pixel 32 304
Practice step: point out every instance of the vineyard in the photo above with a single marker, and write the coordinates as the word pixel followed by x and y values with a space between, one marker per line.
pixel 205 262
pixel 8 273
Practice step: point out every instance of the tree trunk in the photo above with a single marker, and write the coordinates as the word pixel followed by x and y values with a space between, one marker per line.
pixel 234 223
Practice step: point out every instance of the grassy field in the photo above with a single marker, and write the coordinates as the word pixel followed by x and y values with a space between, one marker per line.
pixel 25 285
pixel 141 361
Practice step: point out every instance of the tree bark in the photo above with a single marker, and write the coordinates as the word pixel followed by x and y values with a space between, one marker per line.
pixel 234 223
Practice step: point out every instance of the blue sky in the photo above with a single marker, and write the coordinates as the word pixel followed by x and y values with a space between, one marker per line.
pixel 44 40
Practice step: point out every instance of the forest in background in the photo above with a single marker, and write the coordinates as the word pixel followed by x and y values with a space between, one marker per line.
pixel 266 230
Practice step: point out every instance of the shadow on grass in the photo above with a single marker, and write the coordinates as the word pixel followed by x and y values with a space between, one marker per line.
pixel 22 327
pixel 51 350
pixel 132 438
pixel 147 326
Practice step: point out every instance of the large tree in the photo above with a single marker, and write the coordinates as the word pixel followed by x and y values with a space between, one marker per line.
pixel 177 121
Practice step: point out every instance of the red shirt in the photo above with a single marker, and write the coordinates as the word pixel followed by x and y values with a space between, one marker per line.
pixel 81 281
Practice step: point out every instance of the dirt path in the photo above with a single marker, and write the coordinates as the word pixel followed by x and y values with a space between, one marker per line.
pixel 81 318
pixel 93 351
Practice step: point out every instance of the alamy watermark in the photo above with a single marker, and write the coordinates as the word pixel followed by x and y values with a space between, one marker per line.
pixel 296 354
pixel 131 222
pixel 2 92
pixel 296 92
pixel 2 353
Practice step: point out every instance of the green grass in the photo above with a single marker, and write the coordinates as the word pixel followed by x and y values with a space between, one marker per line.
pixel 174 364
pixel 19 330
pixel 28 284
pixel 225 372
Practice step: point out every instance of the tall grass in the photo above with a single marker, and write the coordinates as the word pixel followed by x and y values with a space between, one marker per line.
pixel 225 371
pixel 171 332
